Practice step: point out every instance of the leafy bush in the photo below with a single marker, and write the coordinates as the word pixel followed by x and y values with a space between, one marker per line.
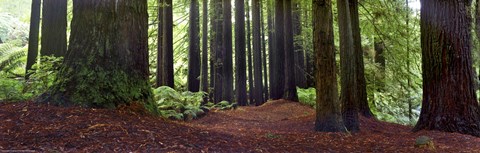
pixel 11 90
pixel 185 105
pixel 43 75
pixel 179 105
pixel 307 96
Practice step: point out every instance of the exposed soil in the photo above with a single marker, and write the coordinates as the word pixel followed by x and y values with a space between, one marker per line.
pixel 277 126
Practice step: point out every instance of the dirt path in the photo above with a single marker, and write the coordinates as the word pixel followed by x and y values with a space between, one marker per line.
pixel 277 126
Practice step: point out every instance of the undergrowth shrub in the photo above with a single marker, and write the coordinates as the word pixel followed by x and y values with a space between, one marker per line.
pixel 185 105
pixel 307 96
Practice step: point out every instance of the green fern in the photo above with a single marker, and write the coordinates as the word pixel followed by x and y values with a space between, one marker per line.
pixel 11 58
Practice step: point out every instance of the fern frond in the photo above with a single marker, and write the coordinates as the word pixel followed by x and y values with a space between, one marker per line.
pixel 12 60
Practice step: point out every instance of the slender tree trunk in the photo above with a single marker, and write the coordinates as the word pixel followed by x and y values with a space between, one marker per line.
pixel 271 46
pixel 364 109
pixel 278 63
pixel 348 80
pixel 309 61
pixel 54 28
pixel 240 62
pixel 204 71
pixel 194 48
pixel 290 89
pixel 168 45
pixel 249 54
pixel 379 47
pixel 257 53
pixel 329 117
pixel 33 36
pixel 213 48
pixel 264 55
pixel 107 60
pixel 300 79
pixel 449 100
pixel 228 63
pixel 160 59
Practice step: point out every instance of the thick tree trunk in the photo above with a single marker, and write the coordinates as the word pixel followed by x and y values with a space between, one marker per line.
pixel 54 28
pixel 33 36
pixel 348 80
pixel 449 100
pixel 257 54
pixel 290 89
pixel 193 83
pixel 219 52
pixel 277 82
pixel 227 48
pixel 240 62
pixel 300 79
pixel 364 109
pixel 107 61
pixel 249 54
pixel 204 71
pixel 329 117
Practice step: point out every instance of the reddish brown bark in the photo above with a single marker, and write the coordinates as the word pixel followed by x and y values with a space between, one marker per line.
pixel 449 100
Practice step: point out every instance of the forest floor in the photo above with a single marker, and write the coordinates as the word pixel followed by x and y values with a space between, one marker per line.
pixel 277 126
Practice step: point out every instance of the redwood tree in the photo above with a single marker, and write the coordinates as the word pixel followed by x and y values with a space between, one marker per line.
pixel 193 82
pixel 364 109
pixel 348 71
pixel 107 60
pixel 257 54
pixel 54 28
pixel 167 44
pixel 227 49
pixel 204 71
pixel 300 79
pixel 277 82
pixel 33 36
pixel 449 100
pixel 290 88
pixel 240 62
pixel 328 114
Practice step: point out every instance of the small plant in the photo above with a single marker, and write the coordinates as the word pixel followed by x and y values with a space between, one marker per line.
pixel 179 105
pixel 307 96
pixel 43 75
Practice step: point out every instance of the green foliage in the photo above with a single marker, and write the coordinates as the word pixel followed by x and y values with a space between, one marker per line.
pixel 11 90
pixel 178 105
pixel 307 96
pixel 185 105
pixel 12 59
pixel 43 75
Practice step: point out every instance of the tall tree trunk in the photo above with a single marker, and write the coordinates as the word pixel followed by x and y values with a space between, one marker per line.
pixel 213 48
pixel 227 48
pixel 364 109
pixel 257 53
pixel 348 81
pixel 264 54
pixel 449 100
pixel 290 89
pixel 219 53
pixel 277 83
pixel 54 28
pixel 300 79
pixel 204 71
pixel 194 48
pixel 107 60
pixel 309 61
pixel 329 117
pixel 249 54
pixel 160 59
pixel 168 70
pixel 240 62
pixel 271 46
pixel 33 36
